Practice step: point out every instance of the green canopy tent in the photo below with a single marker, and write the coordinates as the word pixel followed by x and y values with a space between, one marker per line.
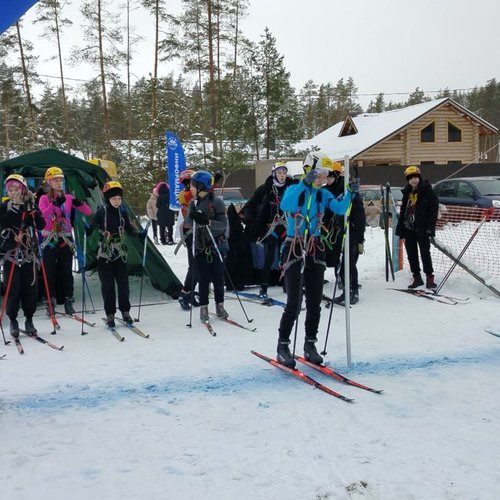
pixel 85 181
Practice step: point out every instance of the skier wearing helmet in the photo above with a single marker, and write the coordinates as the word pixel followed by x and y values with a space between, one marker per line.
pixel 209 216
pixel 113 223
pixel 19 221
pixel 265 222
pixel 303 254
pixel 417 224
pixel 58 243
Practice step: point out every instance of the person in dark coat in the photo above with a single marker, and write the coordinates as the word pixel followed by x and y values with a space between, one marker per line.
pixel 165 216
pixel 20 219
pixel 265 221
pixel 417 224
pixel 113 223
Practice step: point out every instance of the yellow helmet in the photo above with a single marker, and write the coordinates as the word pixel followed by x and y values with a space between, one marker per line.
pixel 279 165
pixel 53 173
pixel 16 179
pixel 412 170
pixel 112 188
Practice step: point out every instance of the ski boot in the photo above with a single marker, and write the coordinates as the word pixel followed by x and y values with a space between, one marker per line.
pixel 155 239
pixel 263 292
pixel 430 283
pixel 127 318
pixel 29 327
pixel 14 328
pixel 354 296
pixel 184 301
pixel 284 356
pixel 416 282
pixel 110 321
pixel 68 306
pixel 310 352
pixel 220 311
pixel 204 313
pixel 340 299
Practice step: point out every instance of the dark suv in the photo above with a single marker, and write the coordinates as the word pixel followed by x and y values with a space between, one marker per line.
pixel 481 192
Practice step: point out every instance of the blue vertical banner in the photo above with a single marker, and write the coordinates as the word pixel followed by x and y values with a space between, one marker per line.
pixel 176 164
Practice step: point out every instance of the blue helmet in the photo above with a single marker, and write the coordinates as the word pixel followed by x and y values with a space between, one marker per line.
pixel 202 180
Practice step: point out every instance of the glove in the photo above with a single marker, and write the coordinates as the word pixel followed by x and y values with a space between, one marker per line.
pixel 142 235
pixel 200 218
pixel 361 248
pixel 77 202
pixel 310 177
pixel 29 199
pixel 354 186
pixel 431 233
pixel 59 200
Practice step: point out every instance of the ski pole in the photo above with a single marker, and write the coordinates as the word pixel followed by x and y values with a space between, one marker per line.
pixel 5 299
pixel 386 232
pixel 143 269
pixel 227 273
pixel 82 270
pixel 488 213
pixel 337 273
pixel 190 324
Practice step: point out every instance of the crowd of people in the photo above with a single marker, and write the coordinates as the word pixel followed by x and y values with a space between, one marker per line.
pixel 297 227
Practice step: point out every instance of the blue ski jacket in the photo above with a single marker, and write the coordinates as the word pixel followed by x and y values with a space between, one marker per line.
pixel 310 202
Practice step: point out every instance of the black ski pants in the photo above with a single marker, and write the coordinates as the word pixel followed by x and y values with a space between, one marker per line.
pixel 413 243
pixel 154 225
pixel 23 289
pixel 271 244
pixel 191 278
pixel 59 269
pixel 109 273
pixel 210 269
pixel 353 261
pixel 313 285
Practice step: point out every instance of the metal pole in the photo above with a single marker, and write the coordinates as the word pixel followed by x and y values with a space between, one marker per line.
pixel 347 274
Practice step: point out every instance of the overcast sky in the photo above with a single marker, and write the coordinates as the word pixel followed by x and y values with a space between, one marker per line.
pixel 389 46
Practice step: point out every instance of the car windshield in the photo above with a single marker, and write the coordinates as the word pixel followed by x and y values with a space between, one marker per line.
pixel 490 187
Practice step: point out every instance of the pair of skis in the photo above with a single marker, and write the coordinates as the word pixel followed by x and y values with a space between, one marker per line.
pixel 256 299
pixel 229 321
pixel 35 336
pixel 430 295
pixel 318 385
pixel 132 327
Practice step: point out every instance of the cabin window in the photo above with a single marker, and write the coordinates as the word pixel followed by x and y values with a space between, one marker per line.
pixel 427 133
pixel 427 162
pixel 454 133
pixel 454 162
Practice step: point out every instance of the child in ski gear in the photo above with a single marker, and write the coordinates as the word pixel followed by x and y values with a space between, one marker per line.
pixel 417 224
pixel 19 221
pixel 166 216
pixel 152 212
pixel 303 254
pixel 113 222
pixel 357 225
pixel 207 214
pixel 265 221
pixel 58 244
pixel 187 297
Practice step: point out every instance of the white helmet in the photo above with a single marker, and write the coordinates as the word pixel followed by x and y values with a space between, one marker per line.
pixel 317 160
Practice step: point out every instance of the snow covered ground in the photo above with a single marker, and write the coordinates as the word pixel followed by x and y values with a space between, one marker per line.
pixel 184 415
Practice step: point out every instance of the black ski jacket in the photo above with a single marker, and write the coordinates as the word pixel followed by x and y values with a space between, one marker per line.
pixel 425 214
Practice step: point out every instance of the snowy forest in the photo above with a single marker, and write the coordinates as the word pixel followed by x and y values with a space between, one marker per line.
pixel 231 95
